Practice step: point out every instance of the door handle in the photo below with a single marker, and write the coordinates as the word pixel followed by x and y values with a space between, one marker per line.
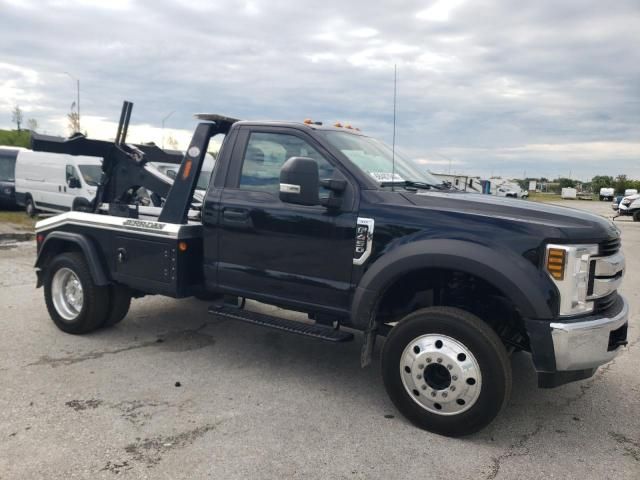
pixel 236 214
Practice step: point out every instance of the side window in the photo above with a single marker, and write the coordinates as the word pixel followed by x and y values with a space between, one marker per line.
pixel 70 173
pixel 265 155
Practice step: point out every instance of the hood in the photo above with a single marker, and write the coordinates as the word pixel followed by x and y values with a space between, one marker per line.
pixel 574 224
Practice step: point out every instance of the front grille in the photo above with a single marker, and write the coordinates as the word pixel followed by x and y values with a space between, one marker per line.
pixel 609 247
pixel 604 303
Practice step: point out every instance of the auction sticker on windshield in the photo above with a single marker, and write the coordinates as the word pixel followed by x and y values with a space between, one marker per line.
pixel 383 177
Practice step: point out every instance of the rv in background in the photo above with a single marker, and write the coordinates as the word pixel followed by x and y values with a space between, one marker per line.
pixel 52 182
pixel 493 186
pixel 8 176
pixel 461 182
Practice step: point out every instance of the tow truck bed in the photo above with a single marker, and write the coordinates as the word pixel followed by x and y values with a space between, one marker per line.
pixel 142 253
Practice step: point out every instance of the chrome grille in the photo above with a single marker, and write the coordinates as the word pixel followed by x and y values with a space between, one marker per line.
pixel 604 303
pixel 609 247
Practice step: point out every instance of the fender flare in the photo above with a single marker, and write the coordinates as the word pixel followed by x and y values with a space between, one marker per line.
pixel 510 273
pixel 56 239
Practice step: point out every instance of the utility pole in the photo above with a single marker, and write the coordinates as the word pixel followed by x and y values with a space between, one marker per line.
pixel 164 120
pixel 77 80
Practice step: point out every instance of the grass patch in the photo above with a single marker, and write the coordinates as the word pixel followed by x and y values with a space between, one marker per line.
pixel 18 220
pixel 544 197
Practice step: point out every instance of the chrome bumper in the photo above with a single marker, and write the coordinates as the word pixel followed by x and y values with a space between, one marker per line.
pixel 584 345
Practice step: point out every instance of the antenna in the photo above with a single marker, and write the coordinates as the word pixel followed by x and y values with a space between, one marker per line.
pixel 393 143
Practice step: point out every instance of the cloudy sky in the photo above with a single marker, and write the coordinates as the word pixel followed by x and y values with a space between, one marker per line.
pixel 546 88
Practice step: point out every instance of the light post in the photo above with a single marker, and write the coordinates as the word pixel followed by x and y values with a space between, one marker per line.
pixel 77 80
pixel 164 120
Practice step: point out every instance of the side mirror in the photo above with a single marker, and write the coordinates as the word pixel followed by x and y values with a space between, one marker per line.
pixel 74 182
pixel 299 181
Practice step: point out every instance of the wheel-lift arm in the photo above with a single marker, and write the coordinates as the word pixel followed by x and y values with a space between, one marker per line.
pixel 125 167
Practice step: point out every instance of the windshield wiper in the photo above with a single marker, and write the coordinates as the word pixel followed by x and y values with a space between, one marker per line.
pixel 413 184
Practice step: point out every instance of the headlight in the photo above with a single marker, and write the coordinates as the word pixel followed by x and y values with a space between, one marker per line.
pixel 568 266
pixel 626 201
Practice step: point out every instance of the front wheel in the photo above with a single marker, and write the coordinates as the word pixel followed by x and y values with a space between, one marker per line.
pixel 636 216
pixel 30 207
pixel 446 371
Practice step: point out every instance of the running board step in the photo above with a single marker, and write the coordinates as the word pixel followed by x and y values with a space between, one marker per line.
pixel 291 326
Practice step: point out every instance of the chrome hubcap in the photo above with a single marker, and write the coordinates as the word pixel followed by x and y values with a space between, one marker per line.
pixel 67 295
pixel 440 374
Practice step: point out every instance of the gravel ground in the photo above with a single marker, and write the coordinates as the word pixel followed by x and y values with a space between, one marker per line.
pixel 175 393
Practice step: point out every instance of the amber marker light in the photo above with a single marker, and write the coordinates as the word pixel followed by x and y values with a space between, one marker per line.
pixel 182 246
pixel 187 169
pixel 556 260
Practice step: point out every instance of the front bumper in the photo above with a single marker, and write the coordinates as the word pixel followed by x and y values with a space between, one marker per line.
pixel 568 350
pixel 581 345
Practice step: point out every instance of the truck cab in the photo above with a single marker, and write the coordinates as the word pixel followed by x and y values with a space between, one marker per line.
pixel 328 221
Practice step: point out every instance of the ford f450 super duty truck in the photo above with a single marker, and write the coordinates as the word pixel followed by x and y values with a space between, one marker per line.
pixel 329 222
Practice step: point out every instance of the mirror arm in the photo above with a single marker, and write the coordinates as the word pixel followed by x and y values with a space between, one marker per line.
pixel 332 202
pixel 335 185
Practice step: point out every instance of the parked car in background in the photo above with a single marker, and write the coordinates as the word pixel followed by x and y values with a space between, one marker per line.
pixel 171 170
pixel 616 202
pixel 54 182
pixel 606 193
pixel 630 206
pixel 8 177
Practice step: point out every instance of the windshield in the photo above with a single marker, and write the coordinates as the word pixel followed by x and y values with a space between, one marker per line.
pixel 376 159
pixel 7 169
pixel 91 174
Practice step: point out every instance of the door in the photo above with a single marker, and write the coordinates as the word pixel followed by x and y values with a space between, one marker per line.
pixel 276 251
pixel 72 187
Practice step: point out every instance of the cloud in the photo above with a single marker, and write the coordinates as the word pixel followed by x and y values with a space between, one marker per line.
pixel 481 82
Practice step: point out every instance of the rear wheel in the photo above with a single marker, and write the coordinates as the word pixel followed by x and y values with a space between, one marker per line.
pixel 636 216
pixel 446 371
pixel 120 297
pixel 76 304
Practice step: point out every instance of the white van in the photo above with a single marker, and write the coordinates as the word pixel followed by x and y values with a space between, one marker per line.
pixel 52 182
pixel 607 193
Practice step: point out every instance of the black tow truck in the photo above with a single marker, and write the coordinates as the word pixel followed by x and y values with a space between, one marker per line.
pixel 330 222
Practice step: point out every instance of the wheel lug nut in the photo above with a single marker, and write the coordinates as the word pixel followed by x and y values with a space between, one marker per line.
pixel 454 377
pixel 428 359
pixel 444 394
pixel 424 387
pixel 419 376
pixel 450 367
pixel 420 367
pixel 453 388
pixel 433 394
pixel 439 360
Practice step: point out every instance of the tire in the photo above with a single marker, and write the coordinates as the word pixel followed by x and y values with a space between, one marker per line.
pixel 636 216
pixel 81 204
pixel 73 313
pixel 30 207
pixel 453 396
pixel 120 301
